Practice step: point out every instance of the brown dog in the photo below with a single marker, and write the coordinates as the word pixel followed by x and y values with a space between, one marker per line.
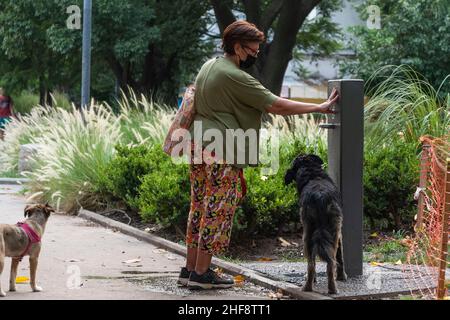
pixel 18 241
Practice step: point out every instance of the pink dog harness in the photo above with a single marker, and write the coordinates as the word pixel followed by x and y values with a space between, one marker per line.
pixel 33 237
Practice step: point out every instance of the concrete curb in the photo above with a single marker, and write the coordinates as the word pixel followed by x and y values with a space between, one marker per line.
pixel 15 181
pixel 231 268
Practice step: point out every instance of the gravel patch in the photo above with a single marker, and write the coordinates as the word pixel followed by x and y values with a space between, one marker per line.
pixel 168 284
pixel 379 280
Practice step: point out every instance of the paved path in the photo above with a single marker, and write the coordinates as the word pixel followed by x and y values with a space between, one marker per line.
pixel 73 246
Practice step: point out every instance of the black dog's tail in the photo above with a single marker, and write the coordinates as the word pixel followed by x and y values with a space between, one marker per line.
pixel 323 245
pixel 323 239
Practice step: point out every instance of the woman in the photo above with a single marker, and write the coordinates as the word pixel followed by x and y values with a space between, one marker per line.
pixel 227 97
pixel 6 111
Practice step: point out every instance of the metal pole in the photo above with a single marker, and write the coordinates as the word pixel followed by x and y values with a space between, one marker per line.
pixel 345 165
pixel 86 60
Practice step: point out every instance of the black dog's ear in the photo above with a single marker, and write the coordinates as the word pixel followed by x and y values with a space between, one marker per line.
pixel 289 176
pixel 315 159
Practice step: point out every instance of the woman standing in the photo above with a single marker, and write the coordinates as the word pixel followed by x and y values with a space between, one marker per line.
pixel 227 97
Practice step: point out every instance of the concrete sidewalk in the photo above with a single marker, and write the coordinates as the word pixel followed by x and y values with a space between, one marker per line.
pixel 80 260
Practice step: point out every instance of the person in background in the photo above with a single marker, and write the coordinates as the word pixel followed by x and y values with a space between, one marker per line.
pixel 6 111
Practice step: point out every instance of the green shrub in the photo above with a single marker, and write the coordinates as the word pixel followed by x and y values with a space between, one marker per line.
pixel 24 102
pixel 269 204
pixel 147 180
pixel 123 174
pixel 61 100
pixel 164 195
pixel 391 174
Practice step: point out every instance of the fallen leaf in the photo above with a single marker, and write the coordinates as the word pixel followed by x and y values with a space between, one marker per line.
pixel 171 257
pixel 295 244
pixel 399 262
pixel 272 295
pixel 239 281
pixel 160 251
pixel 239 278
pixel 22 280
pixel 375 264
pixel 137 260
pixel 276 295
pixel 264 259
pixel 284 243
pixel 405 242
pixel 374 235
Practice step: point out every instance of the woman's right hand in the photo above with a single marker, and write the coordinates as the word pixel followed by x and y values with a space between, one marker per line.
pixel 288 107
pixel 325 107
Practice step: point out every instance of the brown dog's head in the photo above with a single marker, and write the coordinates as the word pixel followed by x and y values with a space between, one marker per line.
pixel 32 210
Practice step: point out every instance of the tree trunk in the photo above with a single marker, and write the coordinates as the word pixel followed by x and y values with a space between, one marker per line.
pixel 223 13
pixel 49 100
pixel 123 75
pixel 44 94
pixel 292 15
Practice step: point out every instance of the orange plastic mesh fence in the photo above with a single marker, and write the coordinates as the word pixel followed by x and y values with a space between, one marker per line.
pixel 427 256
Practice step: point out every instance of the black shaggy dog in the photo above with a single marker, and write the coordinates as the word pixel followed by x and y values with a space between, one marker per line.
pixel 321 214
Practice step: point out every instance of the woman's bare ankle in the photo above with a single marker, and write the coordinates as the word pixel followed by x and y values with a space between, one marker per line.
pixel 200 271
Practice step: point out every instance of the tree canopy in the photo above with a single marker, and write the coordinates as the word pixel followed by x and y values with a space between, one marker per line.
pixel 149 45
pixel 413 32
pixel 152 46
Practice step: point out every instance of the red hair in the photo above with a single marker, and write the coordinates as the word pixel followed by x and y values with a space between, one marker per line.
pixel 238 32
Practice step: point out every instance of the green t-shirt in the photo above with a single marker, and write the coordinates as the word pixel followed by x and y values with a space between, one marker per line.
pixel 227 97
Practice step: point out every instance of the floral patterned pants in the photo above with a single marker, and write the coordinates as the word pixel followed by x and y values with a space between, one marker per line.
pixel 214 199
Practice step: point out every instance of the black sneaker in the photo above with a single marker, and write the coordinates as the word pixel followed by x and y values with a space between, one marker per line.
pixel 209 280
pixel 183 278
